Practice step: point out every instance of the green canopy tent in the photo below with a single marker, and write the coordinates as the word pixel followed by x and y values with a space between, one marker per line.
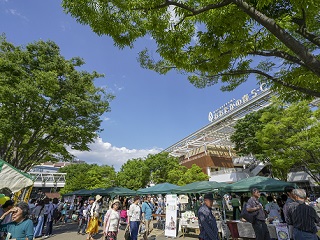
pixel 262 183
pixel 200 187
pixel 114 191
pixel 162 188
pixel 81 192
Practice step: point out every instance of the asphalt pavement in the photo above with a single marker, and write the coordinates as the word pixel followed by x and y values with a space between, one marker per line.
pixel 68 231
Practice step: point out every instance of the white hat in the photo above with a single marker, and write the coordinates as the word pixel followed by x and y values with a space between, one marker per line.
pixel 115 201
pixel 98 197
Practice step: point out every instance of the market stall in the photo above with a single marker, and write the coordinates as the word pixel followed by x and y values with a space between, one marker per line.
pixel 264 184
pixel 14 180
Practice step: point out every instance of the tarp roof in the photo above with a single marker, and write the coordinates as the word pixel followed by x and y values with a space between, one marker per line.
pixel 200 187
pixel 162 188
pixel 81 192
pixel 13 178
pixel 262 183
pixel 114 191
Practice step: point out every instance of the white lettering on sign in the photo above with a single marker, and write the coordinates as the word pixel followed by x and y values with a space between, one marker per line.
pixel 235 103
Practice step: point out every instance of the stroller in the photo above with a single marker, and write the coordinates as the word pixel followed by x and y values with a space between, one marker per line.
pixel 123 219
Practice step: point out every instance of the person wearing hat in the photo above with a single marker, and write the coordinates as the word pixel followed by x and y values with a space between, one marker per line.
pixel 111 221
pixel 207 222
pixel 93 224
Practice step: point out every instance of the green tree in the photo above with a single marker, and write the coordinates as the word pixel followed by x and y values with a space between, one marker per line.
pixel 244 136
pixel 134 174
pixel 182 175
pixel 160 165
pixel 290 138
pixel 46 104
pixel 87 176
pixel 218 40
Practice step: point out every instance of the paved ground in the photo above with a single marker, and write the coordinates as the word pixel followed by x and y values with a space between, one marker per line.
pixel 68 231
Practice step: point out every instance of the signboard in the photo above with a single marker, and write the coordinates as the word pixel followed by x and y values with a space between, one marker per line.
pixel 235 103
pixel 171 216
pixel 282 232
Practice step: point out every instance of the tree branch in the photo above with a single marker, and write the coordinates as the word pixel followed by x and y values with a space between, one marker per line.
pixel 289 41
pixel 302 30
pixel 280 54
pixel 276 80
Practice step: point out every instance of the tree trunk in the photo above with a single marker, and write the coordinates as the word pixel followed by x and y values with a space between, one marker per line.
pixel 312 63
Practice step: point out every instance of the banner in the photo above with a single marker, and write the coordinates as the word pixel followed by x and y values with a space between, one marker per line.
pixel 171 215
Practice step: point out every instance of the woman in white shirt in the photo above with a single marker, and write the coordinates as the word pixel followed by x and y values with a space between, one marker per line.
pixel 111 221
pixel 134 215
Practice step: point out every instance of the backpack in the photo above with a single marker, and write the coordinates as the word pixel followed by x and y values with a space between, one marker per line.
pixel 56 213
pixel 248 216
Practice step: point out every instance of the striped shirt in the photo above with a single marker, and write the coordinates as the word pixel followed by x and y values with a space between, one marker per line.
pixel 303 217
pixel 207 224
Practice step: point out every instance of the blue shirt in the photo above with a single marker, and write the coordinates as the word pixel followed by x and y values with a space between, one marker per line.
pixel 147 209
pixel 207 224
pixel 20 231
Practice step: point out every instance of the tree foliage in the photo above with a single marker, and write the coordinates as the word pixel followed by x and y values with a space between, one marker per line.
pixel 218 40
pixel 182 176
pixel 288 136
pixel 244 136
pixel 134 174
pixel 46 104
pixel 160 165
pixel 157 168
pixel 87 176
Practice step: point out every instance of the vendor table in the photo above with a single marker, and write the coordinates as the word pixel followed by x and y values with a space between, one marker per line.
pixel 194 227
pixel 245 230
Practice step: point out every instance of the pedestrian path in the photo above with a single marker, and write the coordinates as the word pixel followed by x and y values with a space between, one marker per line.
pixel 68 231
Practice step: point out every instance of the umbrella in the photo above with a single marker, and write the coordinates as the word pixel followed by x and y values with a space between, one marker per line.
pixel 114 191
pixel 262 183
pixel 161 188
pixel 200 187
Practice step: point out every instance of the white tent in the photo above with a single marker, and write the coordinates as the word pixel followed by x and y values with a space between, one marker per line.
pixel 13 179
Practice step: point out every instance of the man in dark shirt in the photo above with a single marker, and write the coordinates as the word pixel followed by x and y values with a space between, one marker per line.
pixel 207 222
pixel 259 225
pixel 303 217
pixel 288 190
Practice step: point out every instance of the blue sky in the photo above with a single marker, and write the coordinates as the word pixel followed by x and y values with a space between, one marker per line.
pixel 150 111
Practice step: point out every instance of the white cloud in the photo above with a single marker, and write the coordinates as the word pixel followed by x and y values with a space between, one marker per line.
pixel 106 119
pixel 14 12
pixel 103 153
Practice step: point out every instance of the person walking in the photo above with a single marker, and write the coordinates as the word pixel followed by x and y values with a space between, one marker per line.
pixel 50 209
pixel 302 217
pixel 111 221
pixel 207 222
pixel 93 223
pixel 134 215
pixel 38 213
pixel 259 225
pixel 147 209
pixel 82 219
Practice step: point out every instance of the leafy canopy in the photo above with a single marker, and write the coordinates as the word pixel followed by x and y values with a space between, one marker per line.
pixel 46 104
pixel 87 176
pixel 219 40
pixel 286 136
pixel 157 168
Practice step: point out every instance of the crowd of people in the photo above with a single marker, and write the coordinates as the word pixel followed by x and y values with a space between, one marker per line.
pixel 135 214
pixel 293 209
